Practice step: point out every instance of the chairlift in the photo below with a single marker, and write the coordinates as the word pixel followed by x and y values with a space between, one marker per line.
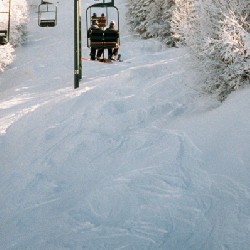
pixel 3 37
pixel 102 38
pixel 47 14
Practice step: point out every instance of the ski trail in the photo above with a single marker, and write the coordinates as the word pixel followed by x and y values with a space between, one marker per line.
pixel 96 171
pixel 96 168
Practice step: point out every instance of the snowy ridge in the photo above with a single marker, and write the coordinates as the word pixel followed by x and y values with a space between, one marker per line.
pixel 123 162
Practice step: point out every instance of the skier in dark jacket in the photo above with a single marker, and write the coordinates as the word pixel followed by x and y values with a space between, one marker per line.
pixel 112 53
pixel 94 26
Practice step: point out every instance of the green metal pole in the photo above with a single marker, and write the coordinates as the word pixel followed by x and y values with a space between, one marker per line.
pixel 9 21
pixel 80 40
pixel 76 44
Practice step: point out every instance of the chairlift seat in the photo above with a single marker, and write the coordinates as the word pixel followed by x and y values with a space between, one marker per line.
pixel 104 39
pixel 47 23
pixel 3 37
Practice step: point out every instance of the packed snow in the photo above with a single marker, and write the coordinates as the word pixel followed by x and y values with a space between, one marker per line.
pixel 138 157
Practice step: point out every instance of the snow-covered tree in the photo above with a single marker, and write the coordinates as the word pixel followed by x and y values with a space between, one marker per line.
pixel 18 20
pixel 184 21
pixel 138 15
pixel 215 30
pixel 227 57
pixel 150 18
pixel 220 43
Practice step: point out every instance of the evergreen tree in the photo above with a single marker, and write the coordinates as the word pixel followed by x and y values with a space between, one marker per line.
pixel 215 30
pixel 150 18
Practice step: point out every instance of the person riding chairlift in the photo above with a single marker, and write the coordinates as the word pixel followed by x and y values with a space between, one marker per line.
pixel 94 26
pixel 102 21
pixel 113 52
pixel 94 17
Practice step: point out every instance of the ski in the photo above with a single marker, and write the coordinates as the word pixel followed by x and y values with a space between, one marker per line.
pixel 104 60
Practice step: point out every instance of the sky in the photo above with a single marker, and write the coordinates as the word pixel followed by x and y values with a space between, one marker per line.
pixel 138 157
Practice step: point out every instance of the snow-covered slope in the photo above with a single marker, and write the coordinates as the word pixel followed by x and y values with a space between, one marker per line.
pixel 136 158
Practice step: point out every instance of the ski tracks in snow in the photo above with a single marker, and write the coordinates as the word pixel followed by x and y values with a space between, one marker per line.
pixel 106 174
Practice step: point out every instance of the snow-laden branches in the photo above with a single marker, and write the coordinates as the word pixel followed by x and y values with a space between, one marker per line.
pixel 6 56
pixel 227 57
pixel 150 18
pixel 217 31
pixel 18 20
